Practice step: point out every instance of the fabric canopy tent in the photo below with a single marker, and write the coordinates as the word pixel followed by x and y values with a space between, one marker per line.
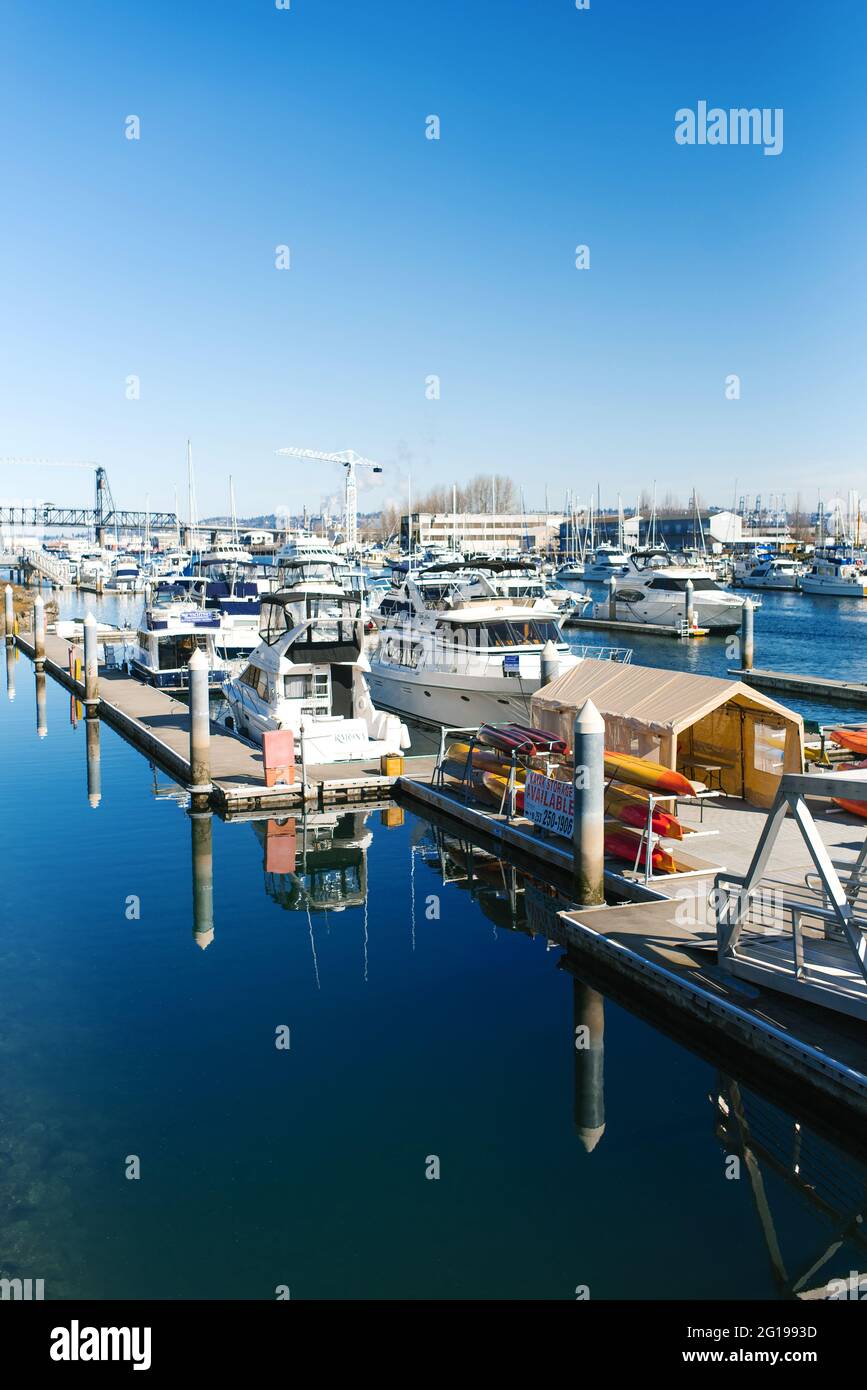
pixel 672 717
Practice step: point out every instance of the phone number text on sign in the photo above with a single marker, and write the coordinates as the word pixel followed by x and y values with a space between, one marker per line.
pixel 549 803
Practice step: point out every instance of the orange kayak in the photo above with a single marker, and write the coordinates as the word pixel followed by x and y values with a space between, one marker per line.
pixel 496 785
pixel 641 773
pixel 487 759
pixel 624 844
pixel 856 739
pixel 855 808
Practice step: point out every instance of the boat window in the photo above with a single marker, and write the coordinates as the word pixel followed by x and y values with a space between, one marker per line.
pixel 262 685
pixel 664 581
pixel 175 652
pixel 295 687
pixel 248 676
pixel 522 632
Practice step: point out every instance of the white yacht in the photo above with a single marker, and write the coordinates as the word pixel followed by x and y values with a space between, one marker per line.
pixel 168 634
pixel 309 674
pixel 459 660
pixel 654 591
pixel 127 575
pixel 772 572
pixel 607 560
pixel 836 576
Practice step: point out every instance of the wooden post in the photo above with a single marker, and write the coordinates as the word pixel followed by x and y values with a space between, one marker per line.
pixel 612 599
pixel 39 631
pixel 588 828
pixel 91 665
pixel 690 603
pixel 9 613
pixel 200 726
pixel 747 635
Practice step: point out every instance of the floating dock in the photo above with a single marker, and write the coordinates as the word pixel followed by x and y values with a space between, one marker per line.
pixel 659 939
pixel 808 687
pixel 628 625
pixel 159 726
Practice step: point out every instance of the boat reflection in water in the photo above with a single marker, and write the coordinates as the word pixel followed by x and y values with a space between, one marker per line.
pixel 316 862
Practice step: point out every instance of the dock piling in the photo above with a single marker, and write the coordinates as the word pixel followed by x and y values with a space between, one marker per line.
pixel 588 781
pixel 91 665
pixel 9 614
pixel 589 1028
pixel 41 705
pixel 550 663
pixel 203 877
pixel 10 672
pixel 612 598
pixel 690 603
pixel 747 635
pixel 200 726
pixel 94 773
pixel 39 632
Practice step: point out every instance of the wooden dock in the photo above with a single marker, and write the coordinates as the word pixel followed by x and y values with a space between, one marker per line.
pixel 158 725
pixel 808 687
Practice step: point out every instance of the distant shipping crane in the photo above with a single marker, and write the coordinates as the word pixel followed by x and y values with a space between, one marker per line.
pixel 350 461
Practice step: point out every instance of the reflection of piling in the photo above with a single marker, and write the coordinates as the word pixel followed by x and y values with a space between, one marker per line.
pixel 200 729
pixel 589 1030
pixel 10 672
pixel 588 834
pixel 94 771
pixel 39 631
pixel 203 878
pixel 550 663
pixel 41 705
pixel 747 635
pixel 690 603
pixel 612 599
pixel 91 664
pixel 9 615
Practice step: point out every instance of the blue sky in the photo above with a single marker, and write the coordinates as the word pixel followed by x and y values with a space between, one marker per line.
pixel 412 257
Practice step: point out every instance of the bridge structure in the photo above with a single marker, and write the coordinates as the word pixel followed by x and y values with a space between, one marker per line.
pixel 101 518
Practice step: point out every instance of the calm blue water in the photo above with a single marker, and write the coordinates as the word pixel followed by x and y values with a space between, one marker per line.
pixel 424 1021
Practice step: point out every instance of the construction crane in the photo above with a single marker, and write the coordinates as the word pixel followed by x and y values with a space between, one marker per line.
pixel 350 461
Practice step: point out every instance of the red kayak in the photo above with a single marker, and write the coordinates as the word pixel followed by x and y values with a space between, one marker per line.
pixel 855 738
pixel 624 844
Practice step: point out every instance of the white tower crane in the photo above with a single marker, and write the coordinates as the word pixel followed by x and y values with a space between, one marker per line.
pixel 350 461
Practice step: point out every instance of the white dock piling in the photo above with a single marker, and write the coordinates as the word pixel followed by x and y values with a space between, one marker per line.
pixel 203 878
pixel 588 829
pixel 9 613
pixel 91 665
pixel 550 663
pixel 41 705
pixel 747 635
pixel 200 725
pixel 10 672
pixel 589 1041
pixel 39 631
pixel 94 774
pixel 689 603
pixel 612 598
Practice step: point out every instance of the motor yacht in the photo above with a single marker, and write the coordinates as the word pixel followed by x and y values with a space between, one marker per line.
pixel 450 658
pixel 169 631
pixel 836 575
pixel 654 591
pixel 607 560
pixel 772 572
pixel 309 674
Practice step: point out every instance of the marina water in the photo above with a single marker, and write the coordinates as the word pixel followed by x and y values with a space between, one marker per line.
pixel 424 1022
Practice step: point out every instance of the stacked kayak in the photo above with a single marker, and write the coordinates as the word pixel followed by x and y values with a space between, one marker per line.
pixel 855 808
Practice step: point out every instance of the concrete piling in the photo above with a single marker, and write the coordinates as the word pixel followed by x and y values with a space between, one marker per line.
pixel 203 878
pixel 94 769
pixel 747 651
pixel 689 603
pixel 200 726
pixel 589 1031
pixel 91 665
pixel 39 631
pixel 41 705
pixel 550 663
pixel 9 614
pixel 588 829
pixel 612 598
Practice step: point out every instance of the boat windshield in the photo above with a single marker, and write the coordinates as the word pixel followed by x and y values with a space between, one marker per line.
pixel 665 581
pixel 330 618
pixel 517 632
